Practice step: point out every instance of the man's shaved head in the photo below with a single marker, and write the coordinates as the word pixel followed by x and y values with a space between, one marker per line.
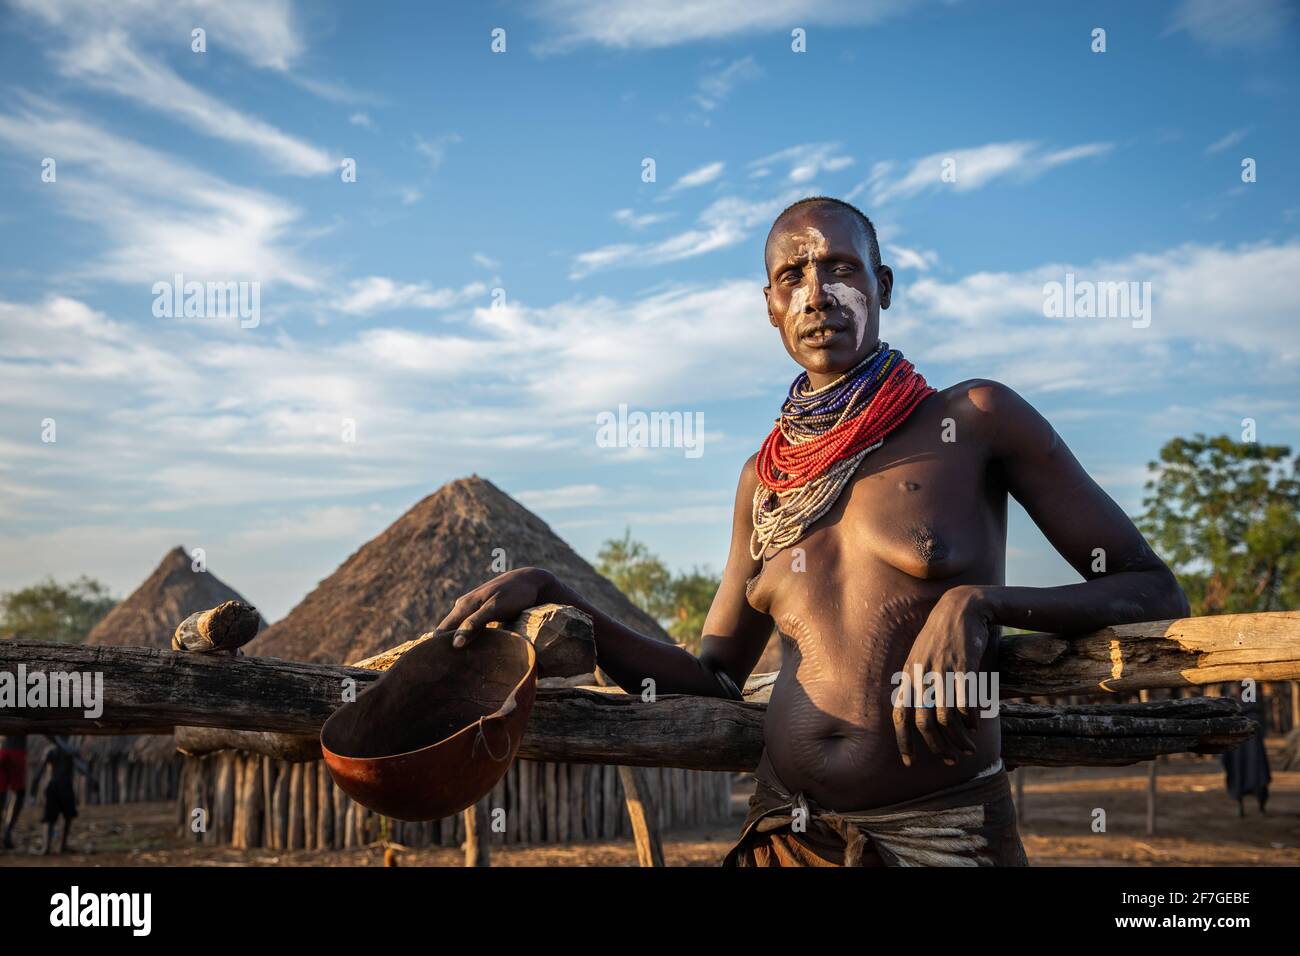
pixel 868 228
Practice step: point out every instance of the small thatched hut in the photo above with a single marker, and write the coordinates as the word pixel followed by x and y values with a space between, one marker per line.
pixel 130 769
pixel 396 587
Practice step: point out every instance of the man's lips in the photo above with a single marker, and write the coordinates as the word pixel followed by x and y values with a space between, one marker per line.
pixel 820 335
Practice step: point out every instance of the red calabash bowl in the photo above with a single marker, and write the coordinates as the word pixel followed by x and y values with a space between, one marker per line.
pixel 437 731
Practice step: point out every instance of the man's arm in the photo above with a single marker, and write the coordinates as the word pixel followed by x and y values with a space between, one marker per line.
pixel 1124 580
pixel 734 633
pixel 40 772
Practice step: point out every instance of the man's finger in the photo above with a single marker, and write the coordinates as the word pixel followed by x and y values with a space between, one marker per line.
pixel 902 734
pixel 459 611
pixel 476 621
pixel 928 727
pixel 955 730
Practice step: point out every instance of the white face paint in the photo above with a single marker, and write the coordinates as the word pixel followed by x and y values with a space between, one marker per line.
pixel 809 244
pixel 853 303
pixel 798 299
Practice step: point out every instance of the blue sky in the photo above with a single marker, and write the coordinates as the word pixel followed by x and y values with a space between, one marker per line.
pixel 521 171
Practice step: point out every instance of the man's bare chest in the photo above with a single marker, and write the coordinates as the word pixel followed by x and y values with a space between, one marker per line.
pixel 919 515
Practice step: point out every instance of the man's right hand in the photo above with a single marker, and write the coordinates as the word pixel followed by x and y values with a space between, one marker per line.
pixel 502 599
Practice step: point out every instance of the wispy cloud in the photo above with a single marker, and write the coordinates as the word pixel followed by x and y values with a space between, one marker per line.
pixel 158 214
pixel 101 49
pixel 633 23
pixel 435 150
pixel 699 177
pixel 717 86
pixel 1227 141
pixel 1243 25
pixel 802 163
pixel 723 223
pixel 964 170
pixel 380 294
pixel 635 220
pixel 995 321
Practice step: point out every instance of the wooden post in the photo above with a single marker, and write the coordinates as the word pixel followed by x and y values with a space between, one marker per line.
pixel 1145 697
pixel 641 814
pixel 478 851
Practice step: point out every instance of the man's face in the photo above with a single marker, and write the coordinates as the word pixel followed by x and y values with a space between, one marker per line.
pixel 822 293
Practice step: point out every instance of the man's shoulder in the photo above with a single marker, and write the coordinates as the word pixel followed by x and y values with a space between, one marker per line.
pixel 988 408
pixel 982 399
pixel 997 412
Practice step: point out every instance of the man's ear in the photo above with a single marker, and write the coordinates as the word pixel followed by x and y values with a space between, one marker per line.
pixel 885 283
pixel 767 297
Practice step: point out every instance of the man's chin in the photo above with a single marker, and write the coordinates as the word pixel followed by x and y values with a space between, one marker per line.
pixel 827 361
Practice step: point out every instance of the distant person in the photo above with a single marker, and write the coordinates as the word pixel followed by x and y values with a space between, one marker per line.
pixel 60 799
pixel 13 779
pixel 1245 767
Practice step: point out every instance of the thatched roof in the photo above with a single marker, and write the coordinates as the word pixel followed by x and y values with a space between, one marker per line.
pixel 172 593
pixel 403 582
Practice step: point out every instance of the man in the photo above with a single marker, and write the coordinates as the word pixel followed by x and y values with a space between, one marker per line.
pixel 871 530
pixel 13 779
pixel 62 761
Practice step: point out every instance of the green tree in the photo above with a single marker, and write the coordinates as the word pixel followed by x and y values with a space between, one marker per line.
pixel 50 611
pixel 1226 516
pixel 636 572
pixel 692 597
pixel 678 602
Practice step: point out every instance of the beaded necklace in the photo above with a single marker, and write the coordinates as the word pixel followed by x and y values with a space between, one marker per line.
pixel 820 439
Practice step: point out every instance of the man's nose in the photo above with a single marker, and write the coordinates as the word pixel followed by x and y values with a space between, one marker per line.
pixel 818 299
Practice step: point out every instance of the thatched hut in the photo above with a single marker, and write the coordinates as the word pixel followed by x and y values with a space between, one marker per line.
pixel 396 587
pixel 130 769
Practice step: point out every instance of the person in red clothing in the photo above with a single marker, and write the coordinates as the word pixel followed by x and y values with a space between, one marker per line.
pixel 13 779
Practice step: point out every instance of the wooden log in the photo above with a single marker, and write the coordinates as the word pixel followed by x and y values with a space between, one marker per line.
pixel 222 629
pixel 562 808
pixel 610 808
pixel 324 807
pixel 577 799
pixel 153 690
pixel 1188 652
pixel 478 850
pixel 197 741
pixel 308 772
pixel 550 803
pixel 514 814
pixel 641 814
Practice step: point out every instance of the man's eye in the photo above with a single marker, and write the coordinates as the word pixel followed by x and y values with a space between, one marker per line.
pixel 790 278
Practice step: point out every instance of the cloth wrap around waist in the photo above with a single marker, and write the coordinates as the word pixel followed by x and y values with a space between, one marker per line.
pixel 970 824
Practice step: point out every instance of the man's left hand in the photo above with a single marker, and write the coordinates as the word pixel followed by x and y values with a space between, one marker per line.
pixel 952 642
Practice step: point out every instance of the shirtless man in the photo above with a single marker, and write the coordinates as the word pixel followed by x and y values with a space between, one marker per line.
pixel 906 569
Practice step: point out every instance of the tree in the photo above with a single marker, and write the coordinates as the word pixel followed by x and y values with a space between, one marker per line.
pixel 636 572
pixel 50 611
pixel 1226 517
pixel 692 597
pixel 678 602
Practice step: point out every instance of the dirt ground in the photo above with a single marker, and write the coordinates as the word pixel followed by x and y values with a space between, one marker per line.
pixel 1197 825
